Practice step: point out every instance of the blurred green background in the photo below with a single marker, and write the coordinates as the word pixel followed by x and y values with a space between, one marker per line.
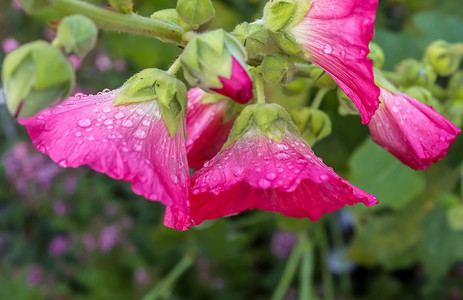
pixel 76 234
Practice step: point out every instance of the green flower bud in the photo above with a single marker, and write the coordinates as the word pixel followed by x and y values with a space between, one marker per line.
pixel 281 14
pixel 376 55
pixel 320 78
pixel 34 77
pixel 271 120
pixel 36 6
pixel 423 95
pixel 77 34
pixel 444 57
pixel 313 124
pixel 414 72
pixel 195 12
pixel 455 86
pixel 285 42
pixel 346 106
pixel 124 6
pixel 277 68
pixel 171 15
pixel 154 84
pixel 253 36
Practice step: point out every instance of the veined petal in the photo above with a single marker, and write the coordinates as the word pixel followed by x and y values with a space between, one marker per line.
pixel 336 34
pixel 411 130
pixel 205 127
pixel 125 142
pixel 258 172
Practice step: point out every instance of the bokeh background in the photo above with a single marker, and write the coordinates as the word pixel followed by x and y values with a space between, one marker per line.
pixel 76 234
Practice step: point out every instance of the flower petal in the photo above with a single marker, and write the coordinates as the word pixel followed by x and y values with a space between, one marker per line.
pixel 125 142
pixel 336 34
pixel 205 127
pixel 258 172
pixel 411 130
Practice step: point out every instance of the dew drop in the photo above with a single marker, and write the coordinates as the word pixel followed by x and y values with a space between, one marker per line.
pixel 139 134
pixel 324 177
pixel 108 122
pixel 328 49
pixel 137 148
pixel 127 123
pixel 239 173
pixel 91 138
pixel 119 115
pixel 146 122
pixel 84 123
pixel 271 176
pixel 264 183
pixel 63 163
pixel 78 134
pixel 174 178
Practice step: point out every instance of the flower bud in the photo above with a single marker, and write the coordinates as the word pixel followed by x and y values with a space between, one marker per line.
pixel 216 62
pixel 34 77
pixel 277 68
pixel 171 15
pixel 280 14
pixel 253 36
pixel 313 124
pixel 376 55
pixel 423 95
pixel 77 34
pixel 195 12
pixel 154 84
pixel 414 72
pixel 444 57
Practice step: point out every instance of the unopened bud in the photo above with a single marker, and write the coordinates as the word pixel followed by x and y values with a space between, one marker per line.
pixel 277 68
pixel 171 15
pixel 414 72
pixel 35 76
pixel 77 34
pixel 376 55
pixel 281 14
pixel 195 12
pixel 313 124
pixel 444 57
pixel 216 62
pixel 253 36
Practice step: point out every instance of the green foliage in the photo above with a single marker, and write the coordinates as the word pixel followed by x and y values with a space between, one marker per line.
pixel 77 34
pixel 195 12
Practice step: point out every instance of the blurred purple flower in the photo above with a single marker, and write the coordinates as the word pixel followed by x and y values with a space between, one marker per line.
pixel 102 62
pixel 58 246
pixel 140 276
pixel 282 243
pixel 120 65
pixel 109 237
pixel 61 208
pixel 9 44
pixel 16 5
pixel 75 61
pixel 34 277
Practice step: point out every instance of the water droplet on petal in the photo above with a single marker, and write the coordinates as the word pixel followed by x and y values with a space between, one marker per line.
pixel 139 134
pixel 107 110
pixel 127 123
pixel 108 122
pixel 174 178
pixel 264 183
pixel 146 122
pixel 78 134
pixel 324 177
pixel 119 115
pixel 328 49
pixel 271 176
pixel 84 123
pixel 239 173
pixel 63 163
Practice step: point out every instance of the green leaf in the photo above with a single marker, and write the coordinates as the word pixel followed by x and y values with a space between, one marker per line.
pixel 195 12
pixel 378 172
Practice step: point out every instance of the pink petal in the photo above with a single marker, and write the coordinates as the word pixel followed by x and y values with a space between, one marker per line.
pixel 411 130
pixel 336 33
pixel 239 86
pixel 258 172
pixel 125 142
pixel 205 127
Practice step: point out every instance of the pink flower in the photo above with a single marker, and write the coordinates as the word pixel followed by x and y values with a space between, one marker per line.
pixel 9 44
pixel 239 86
pixel 206 128
pixel 258 172
pixel 411 130
pixel 336 35
pixel 129 142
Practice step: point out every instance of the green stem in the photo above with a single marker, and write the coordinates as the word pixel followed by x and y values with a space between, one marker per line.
pixel 319 97
pixel 175 67
pixel 128 23
pixel 326 276
pixel 288 273
pixel 307 267
pixel 259 81
pixel 164 288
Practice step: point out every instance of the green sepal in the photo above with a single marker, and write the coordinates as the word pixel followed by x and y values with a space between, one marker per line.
pixel 277 68
pixel 282 14
pixel 171 15
pixel 35 76
pixel 413 72
pixel 285 42
pixel 124 6
pixel 444 57
pixel 158 85
pixel 253 36
pixel 346 105
pixel 77 34
pixel 195 12
pixel 381 81
pixel 423 95
pixel 320 78
pixel 313 124
pixel 376 55
pixel 272 120
pixel 36 6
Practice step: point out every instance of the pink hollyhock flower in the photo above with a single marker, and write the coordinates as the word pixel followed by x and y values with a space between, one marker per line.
pixel 239 86
pixel 206 128
pixel 336 35
pixel 9 44
pixel 256 171
pixel 129 142
pixel 411 130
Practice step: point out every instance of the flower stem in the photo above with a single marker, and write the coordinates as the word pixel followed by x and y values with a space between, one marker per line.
pixel 259 81
pixel 163 289
pixel 326 276
pixel 128 23
pixel 306 291
pixel 319 97
pixel 288 273
pixel 175 67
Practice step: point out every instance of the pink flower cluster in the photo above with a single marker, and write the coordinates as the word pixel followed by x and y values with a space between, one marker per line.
pixel 254 170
